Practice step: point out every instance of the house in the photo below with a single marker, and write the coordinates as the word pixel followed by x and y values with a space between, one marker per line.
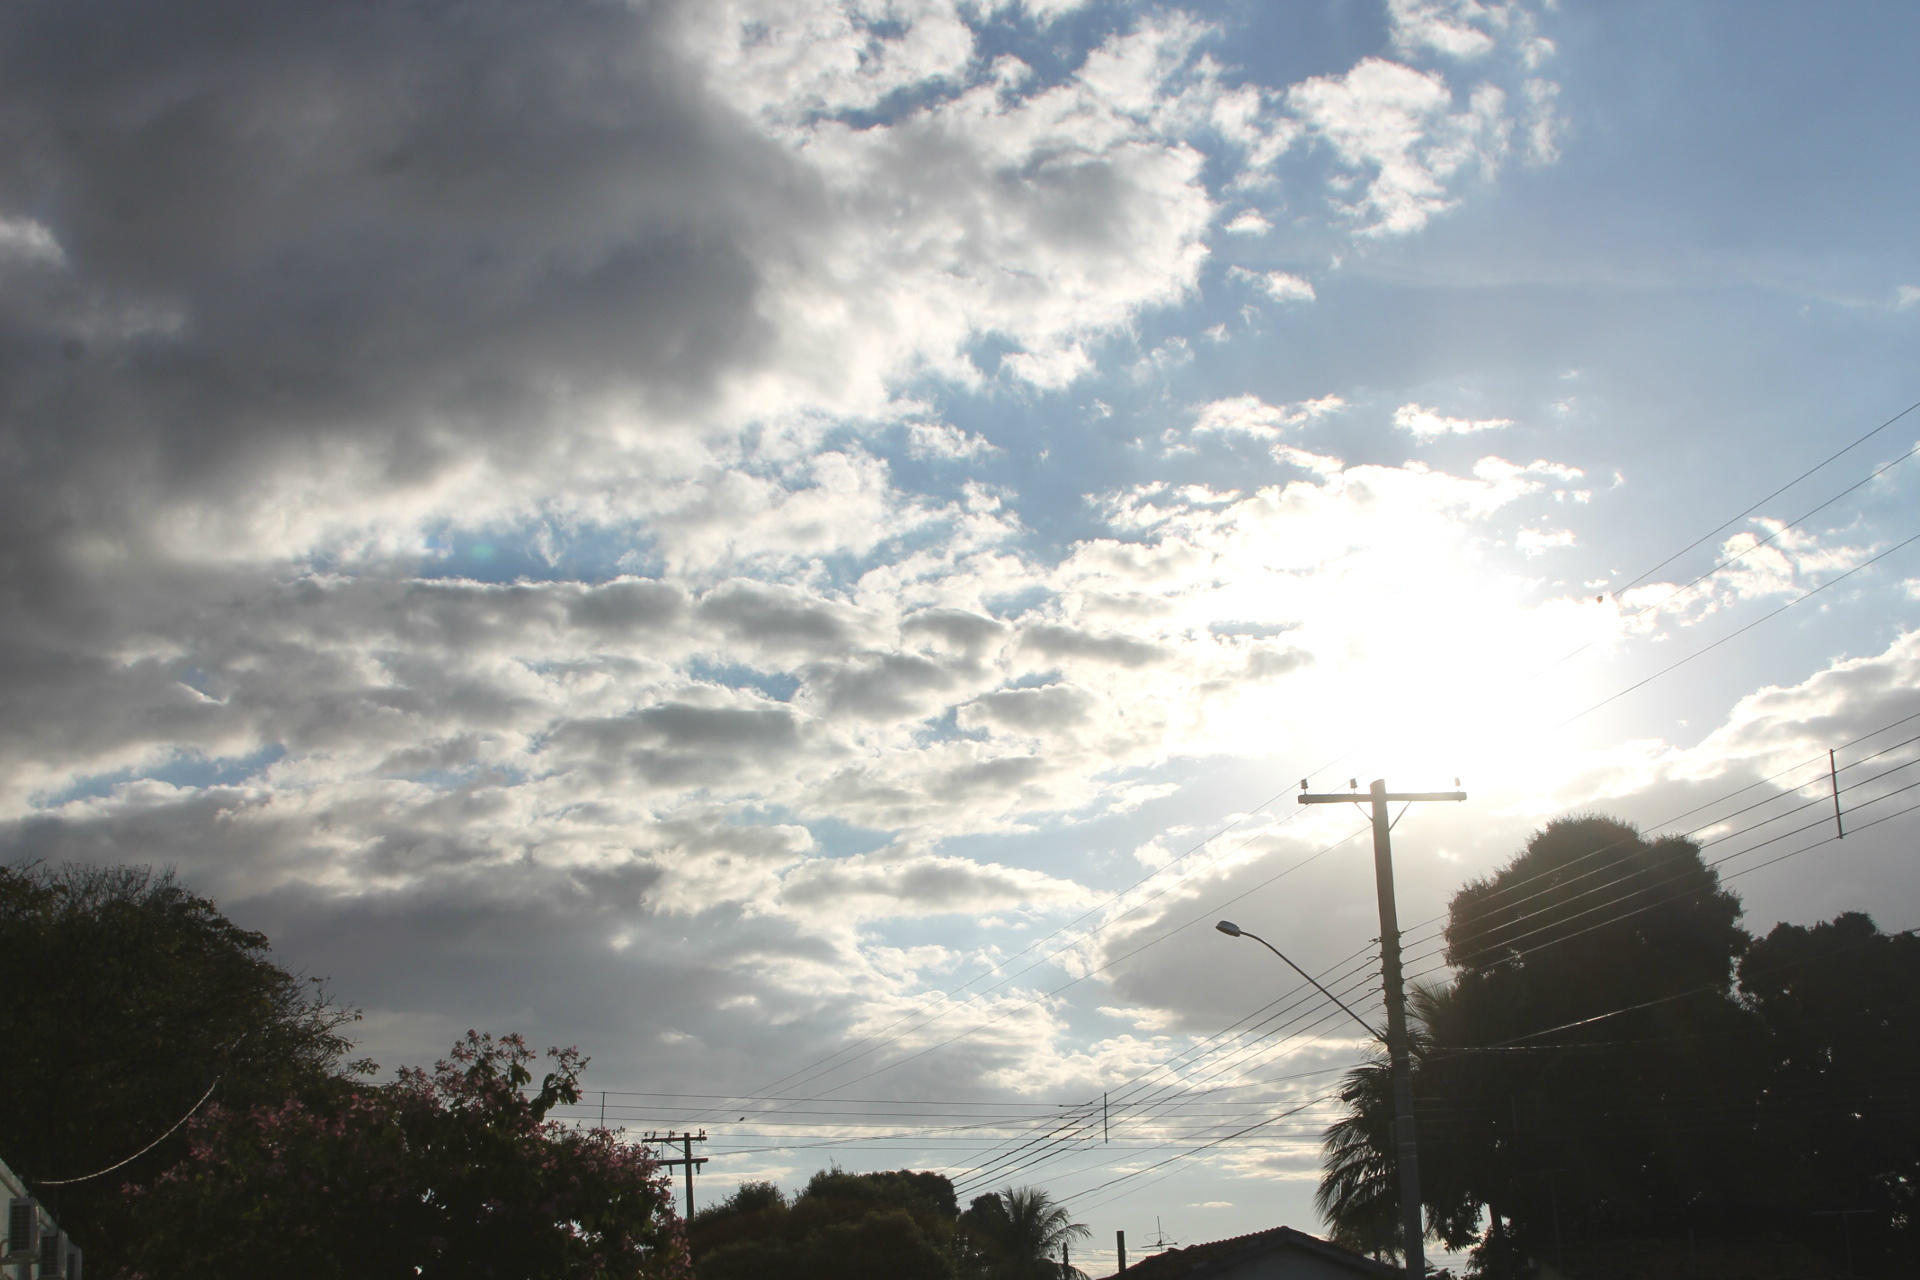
pixel 1279 1254
pixel 35 1243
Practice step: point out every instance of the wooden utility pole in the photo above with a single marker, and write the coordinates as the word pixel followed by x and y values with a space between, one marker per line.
pixel 1406 1147
pixel 686 1158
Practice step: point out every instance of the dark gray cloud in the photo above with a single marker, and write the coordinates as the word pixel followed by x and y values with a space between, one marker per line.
pixel 886 686
pixel 628 606
pixel 1072 642
pixel 295 235
pixel 680 744
pixel 779 619
pixel 971 635
pixel 1045 709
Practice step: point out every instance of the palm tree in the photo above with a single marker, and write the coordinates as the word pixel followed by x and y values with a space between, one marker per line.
pixel 1359 1192
pixel 1018 1234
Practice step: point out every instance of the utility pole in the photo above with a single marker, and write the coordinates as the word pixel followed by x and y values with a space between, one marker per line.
pixel 1406 1147
pixel 686 1158
pixel 1846 1216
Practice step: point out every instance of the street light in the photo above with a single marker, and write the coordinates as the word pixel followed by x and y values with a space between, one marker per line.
pixel 1233 930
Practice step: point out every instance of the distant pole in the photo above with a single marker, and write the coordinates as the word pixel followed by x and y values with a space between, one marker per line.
pixel 1103 1117
pixel 1846 1228
pixel 1833 774
pixel 1406 1146
pixel 1553 1190
pixel 1120 1243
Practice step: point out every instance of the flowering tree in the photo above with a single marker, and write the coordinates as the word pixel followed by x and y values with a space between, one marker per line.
pixel 453 1172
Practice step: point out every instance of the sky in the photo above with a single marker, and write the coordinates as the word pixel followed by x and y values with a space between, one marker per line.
pixel 805 546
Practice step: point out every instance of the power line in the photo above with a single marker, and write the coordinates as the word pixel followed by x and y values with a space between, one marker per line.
pixel 820 1065
pixel 1821 465
pixel 1535 878
pixel 1734 635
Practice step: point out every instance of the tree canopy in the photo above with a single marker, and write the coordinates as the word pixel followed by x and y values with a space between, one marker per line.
pixel 131 1004
pixel 125 998
pixel 1019 1234
pixel 454 1172
pixel 1592 1071
pixel 900 1224
pixel 872 1226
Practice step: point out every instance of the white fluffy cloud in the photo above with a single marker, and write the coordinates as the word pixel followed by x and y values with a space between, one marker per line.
pixel 1397 130
pixel 1281 286
pixel 1251 416
pixel 1427 423
pixel 466 476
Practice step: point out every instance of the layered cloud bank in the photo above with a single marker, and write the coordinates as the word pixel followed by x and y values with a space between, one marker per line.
pixel 616 514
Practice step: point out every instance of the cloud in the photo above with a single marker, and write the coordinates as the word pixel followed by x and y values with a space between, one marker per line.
pixel 871 886
pixel 1278 285
pixel 1068 642
pixel 1533 542
pixel 1451 27
pixel 1906 295
pixel 1254 417
pixel 1397 129
pixel 1541 126
pixel 1427 423
pixel 453 522
pixel 938 440
pixel 23 239
pixel 1047 709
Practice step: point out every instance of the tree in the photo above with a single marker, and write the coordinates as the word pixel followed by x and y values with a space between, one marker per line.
pixel 1839 1116
pixel 1019 1234
pixel 123 997
pixel 897 1225
pixel 1535 1127
pixel 451 1173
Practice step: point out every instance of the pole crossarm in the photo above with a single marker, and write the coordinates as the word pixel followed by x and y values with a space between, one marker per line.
pixel 1364 797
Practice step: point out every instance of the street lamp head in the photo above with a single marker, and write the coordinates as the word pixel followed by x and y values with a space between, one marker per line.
pixel 1229 928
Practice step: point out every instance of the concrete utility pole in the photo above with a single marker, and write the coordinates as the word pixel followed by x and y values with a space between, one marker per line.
pixel 1406 1147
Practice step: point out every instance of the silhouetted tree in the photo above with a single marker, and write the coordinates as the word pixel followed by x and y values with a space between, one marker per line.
pixel 1018 1234
pixel 123 997
pixel 455 1173
pixel 897 1225
pixel 1534 1125
pixel 1839 1117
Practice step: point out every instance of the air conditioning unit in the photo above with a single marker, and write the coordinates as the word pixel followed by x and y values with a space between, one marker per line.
pixel 23 1228
pixel 53 1255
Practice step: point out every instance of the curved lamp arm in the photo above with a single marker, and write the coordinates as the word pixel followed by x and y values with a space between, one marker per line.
pixel 1233 930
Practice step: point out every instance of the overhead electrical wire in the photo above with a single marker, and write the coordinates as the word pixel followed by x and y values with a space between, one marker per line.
pixel 1734 635
pixel 1782 772
pixel 1157 1104
pixel 1820 760
pixel 828 1064
pixel 1710 804
pixel 1746 852
pixel 1818 466
pixel 1713 864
